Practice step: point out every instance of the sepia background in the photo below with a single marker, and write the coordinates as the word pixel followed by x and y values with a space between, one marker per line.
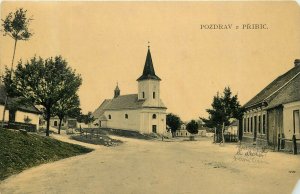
pixel 106 42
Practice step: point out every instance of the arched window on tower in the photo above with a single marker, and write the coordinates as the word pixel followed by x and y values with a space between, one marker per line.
pixel 109 116
pixel 153 95
pixel 143 94
pixel 154 116
pixel 126 116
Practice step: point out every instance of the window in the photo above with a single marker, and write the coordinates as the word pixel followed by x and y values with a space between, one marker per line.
pixel 154 128
pixel 154 116
pixel 251 124
pixel 248 125
pixel 244 124
pixel 143 94
pixel 296 122
pixel 255 124
pixel 264 125
pixel 259 124
pixel 109 116
pixel 153 95
pixel 100 124
pixel 126 116
pixel 55 123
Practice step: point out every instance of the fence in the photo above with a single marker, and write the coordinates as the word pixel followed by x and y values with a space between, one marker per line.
pixel 17 125
pixel 281 143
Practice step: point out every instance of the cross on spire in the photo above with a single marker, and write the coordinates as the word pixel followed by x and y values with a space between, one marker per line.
pixel 148 44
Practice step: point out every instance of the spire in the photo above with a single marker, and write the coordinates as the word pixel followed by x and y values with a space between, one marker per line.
pixel 117 91
pixel 149 72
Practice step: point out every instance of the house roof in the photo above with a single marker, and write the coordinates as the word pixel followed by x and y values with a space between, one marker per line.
pixel 149 72
pixel 290 93
pixel 11 101
pixel 129 101
pixel 283 86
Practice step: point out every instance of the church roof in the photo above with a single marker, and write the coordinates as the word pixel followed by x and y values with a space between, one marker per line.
pixel 149 72
pixel 283 89
pixel 100 110
pixel 129 101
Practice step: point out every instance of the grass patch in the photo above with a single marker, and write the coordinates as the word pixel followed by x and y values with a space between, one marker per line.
pixel 19 151
pixel 99 139
pixel 128 133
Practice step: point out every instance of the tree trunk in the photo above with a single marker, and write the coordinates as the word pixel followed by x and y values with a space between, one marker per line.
pixel 48 116
pixel 59 126
pixel 11 69
pixel 223 128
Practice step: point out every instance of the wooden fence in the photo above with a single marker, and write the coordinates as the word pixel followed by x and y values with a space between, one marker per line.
pixel 282 140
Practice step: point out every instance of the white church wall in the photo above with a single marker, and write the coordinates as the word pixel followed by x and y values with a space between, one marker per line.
pixel 118 120
pixel 147 120
pixel 148 87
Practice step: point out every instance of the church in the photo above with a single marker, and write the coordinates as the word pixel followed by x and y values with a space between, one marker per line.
pixel 144 112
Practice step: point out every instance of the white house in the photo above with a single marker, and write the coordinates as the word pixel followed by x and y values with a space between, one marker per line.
pixel 232 129
pixel 20 114
pixel 144 112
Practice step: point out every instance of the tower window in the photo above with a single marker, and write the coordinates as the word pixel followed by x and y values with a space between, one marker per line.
pixel 126 116
pixel 109 116
pixel 143 94
pixel 153 95
pixel 154 116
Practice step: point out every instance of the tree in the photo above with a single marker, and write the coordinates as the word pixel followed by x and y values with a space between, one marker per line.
pixel 192 127
pixel 43 82
pixel 16 26
pixel 67 106
pixel 223 108
pixel 174 122
pixel 86 118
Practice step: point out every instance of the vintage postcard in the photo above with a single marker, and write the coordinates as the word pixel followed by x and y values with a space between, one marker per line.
pixel 167 97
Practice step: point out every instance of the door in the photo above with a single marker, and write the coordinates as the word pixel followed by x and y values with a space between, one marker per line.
pixel 154 128
pixel 296 122
pixel 12 116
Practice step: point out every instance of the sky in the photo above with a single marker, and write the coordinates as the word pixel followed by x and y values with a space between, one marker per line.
pixel 106 42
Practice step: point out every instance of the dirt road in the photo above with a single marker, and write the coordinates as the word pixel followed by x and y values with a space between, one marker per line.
pixel 140 166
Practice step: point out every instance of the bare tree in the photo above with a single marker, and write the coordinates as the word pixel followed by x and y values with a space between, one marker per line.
pixel 15 25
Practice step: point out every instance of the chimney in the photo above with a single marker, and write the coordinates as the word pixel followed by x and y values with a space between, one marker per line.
pixel 297 62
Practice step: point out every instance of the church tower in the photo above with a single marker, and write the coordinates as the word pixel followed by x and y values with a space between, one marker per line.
pixel 149 83
pixel 117 91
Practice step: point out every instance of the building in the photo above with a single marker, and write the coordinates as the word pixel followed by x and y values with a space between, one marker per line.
pixel 232 129
pixel 144 112
pixel 66 122
pixel 183 132
pixel 17 115
pixel 274 111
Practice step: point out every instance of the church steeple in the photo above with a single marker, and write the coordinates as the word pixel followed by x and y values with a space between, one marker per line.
pixel 148 72
pixel 117 91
